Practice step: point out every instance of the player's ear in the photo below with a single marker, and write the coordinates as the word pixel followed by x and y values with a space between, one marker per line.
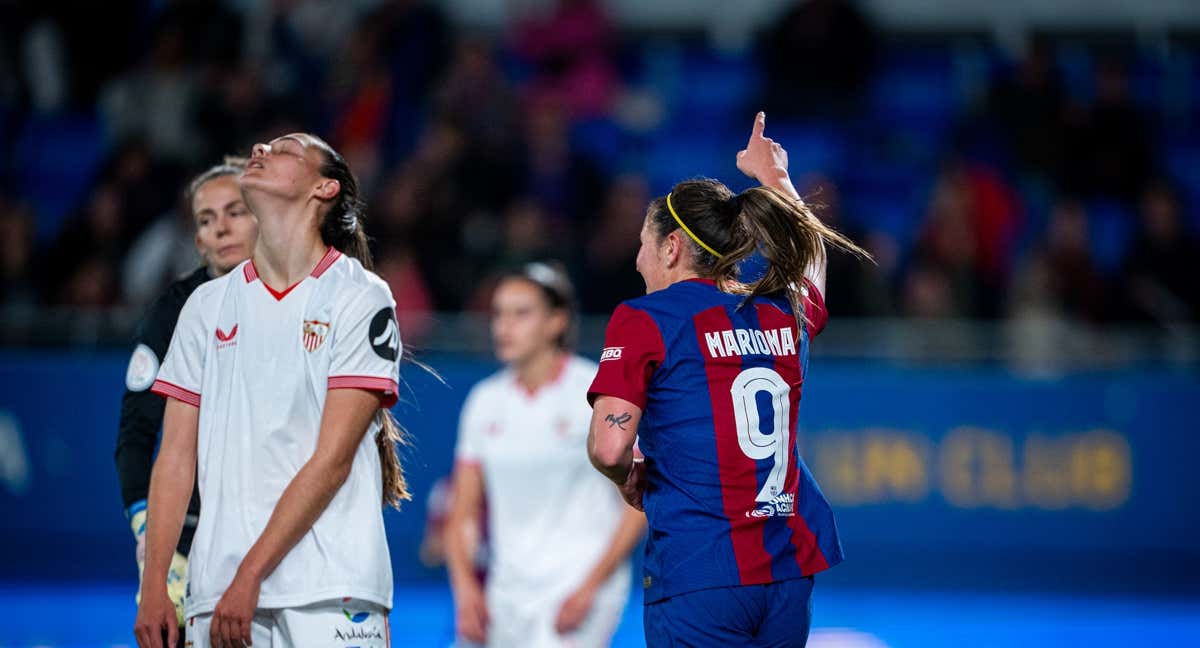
pixel 327 189
pixel 672 248
pixel 562 320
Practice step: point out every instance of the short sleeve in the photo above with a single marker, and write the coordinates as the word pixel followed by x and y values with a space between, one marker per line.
pixel 814 309
pixel 470 431
pixel 633 349
pixel 182 370
pixel 366 345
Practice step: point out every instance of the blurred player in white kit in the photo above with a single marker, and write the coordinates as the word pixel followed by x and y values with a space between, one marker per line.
pixel 560 539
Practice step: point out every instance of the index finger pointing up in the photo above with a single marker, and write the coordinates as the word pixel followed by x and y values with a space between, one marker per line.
pixel 760 124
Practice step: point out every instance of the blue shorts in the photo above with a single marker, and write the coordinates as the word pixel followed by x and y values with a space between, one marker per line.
pixel 773 614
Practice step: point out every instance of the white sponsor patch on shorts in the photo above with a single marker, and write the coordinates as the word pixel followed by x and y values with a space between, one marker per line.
pixel 611 353
pixel 143 367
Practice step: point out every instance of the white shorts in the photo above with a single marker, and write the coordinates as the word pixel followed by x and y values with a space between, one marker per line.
pixel 340 623
pixel 528 621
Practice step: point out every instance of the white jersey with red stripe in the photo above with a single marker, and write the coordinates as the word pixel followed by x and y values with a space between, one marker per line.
pixel 551 516
pixel 258 363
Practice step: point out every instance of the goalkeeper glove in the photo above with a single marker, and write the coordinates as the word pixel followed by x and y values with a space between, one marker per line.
pixel 176 575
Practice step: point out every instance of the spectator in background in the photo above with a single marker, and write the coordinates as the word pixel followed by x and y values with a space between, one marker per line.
pixel 360 93
pixel 945 279
pixel 1160 267
pixel 237 103
pixel 571 52
pixel 82 264
pixel 818 59
pixel 17 287
pixel 1027 106
pixel 163 248
pixel 429 199
pixel 80 45
pixel 156 100
pixel 997 217
pixel 416 45
pixel 928 292
pixel 144 181
pixel 1060 280
pixel 1109 151
pixel 398 267
pixel 856 289
pixel 564 182
pixel 477 99
pixel 212 32
pixel 612 246
pixel 972 223
pixel 528 234
pixel 163 252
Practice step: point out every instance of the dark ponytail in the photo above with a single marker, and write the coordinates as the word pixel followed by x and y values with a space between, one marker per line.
pixel 781 228
pixel 342 225
pixel 342 229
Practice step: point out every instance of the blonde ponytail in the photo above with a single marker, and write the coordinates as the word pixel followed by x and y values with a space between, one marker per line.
pixel 387 440
pixel 790 237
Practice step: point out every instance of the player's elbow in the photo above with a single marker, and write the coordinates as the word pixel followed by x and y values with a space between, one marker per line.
pixel 334 471
pixel 606 451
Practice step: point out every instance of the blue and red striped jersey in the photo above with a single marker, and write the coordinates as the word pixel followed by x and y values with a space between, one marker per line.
pixel 718 377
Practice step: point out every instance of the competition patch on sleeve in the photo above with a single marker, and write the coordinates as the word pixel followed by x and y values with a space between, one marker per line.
pixel 383 335
pixel 143 368
pixel 611 353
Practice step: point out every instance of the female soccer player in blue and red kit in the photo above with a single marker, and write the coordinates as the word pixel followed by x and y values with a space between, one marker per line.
pixel 705 372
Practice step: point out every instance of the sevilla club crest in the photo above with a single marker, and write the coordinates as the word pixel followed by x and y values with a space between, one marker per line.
pixel 313 334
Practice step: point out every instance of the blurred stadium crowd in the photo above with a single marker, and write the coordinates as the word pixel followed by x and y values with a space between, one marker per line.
pixel 1062 181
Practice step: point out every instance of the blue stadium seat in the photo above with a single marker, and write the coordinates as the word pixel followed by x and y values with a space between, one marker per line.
pixel 1181 157
pixel 1112 225
pixel 672 157
pixel 813 147
pixel 915 91
pixel 58 156
pixel 600 139
pixel 716 86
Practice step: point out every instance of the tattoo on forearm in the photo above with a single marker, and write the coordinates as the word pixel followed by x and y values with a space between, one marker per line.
pixel 618 421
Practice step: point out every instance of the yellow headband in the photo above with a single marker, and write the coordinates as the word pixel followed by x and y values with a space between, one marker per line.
pixel 689 232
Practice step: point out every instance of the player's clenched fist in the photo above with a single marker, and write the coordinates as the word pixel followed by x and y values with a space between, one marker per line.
pixel 156 617
pixel 635 485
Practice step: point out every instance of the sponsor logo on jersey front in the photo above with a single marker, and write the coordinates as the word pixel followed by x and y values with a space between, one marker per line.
pixel 782 506
pixel 312 334
pixel 226 339
pixel 611 353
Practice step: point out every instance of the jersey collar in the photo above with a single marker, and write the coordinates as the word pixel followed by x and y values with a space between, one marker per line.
pixel 559 371
pixel 251 273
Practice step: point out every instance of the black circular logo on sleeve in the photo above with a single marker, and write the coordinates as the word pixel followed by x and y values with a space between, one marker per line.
pixel 384 335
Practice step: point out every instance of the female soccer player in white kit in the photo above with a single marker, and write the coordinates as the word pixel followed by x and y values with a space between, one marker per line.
pixel 560 539
pixel 276 380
